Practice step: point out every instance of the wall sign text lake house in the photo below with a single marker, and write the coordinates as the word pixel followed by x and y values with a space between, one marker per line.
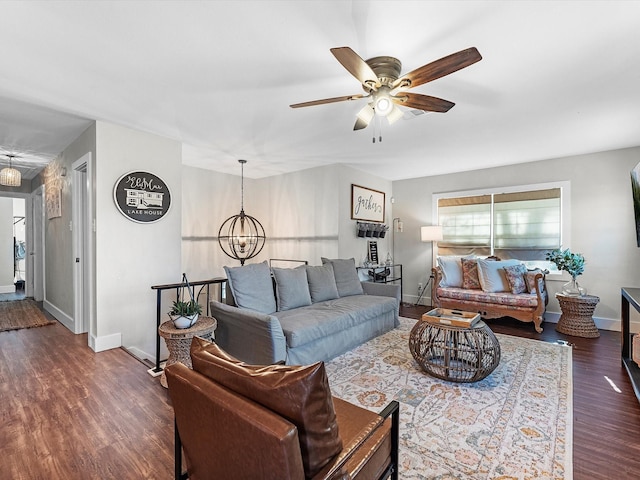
pixel 142 197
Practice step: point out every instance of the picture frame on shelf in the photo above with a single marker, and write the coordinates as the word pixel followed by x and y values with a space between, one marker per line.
pixel 367 204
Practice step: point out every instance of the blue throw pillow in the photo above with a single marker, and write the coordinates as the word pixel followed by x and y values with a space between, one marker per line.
pixel 292 290
pixel 252 287
pixel 322 283
pixel 344 271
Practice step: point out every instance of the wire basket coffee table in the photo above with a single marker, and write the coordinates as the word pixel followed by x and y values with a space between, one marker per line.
pixel 456 354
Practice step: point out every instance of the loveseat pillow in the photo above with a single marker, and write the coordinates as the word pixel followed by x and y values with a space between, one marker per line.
pixel 516 277
pixel 470 279
pixel 252 287
pixel 492 275
pixel 346 275
pixel 300 394
pixel 292 290
pixel 451 268
pixel 322 283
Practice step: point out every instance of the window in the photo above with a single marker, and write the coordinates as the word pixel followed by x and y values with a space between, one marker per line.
pixel 522 224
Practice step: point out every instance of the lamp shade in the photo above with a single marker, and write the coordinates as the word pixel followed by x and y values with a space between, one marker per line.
pixel 10 177
pixel 431 233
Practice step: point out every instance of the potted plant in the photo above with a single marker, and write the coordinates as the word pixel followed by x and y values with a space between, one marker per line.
pixel 185 313
pixel 573 264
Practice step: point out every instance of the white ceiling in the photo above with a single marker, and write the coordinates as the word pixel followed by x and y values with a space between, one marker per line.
pixel 557 78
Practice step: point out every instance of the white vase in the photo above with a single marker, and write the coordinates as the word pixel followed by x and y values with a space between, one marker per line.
pixel 180 321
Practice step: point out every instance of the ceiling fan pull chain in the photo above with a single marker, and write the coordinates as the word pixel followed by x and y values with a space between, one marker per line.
pixel 374 130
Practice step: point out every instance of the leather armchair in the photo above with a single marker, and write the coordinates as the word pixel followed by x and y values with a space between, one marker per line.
pixel 224 435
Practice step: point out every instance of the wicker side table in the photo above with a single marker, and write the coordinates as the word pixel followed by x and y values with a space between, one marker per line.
pixel 178 340
pixel 457 354
pixel 577 315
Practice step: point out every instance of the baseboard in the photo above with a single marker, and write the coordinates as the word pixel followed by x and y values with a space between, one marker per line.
pixel 59 315
pixel 105 342
pixel 141 354
pixel 8 288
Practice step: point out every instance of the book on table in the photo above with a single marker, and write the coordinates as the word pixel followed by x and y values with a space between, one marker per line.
pixel 456 318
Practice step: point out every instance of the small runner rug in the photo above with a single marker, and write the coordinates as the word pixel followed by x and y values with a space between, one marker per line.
pixel 514 424
pixel 18 314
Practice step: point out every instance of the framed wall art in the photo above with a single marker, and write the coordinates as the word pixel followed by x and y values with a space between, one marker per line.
pixel 367 204
pixel 142 197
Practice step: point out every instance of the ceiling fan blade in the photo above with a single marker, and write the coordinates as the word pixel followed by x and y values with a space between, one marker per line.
pixel 327 100
pixel 439 68
pixel 356 66
pixel 364 116
pixel 422 102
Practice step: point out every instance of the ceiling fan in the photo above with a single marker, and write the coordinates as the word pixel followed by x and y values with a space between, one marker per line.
pixel 386 89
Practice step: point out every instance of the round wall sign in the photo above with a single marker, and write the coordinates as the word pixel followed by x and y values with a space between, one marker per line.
pixel 142 197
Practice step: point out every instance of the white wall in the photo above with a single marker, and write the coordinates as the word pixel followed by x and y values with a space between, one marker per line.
pixel 602 221
pixel 131 257
pixel 306 215
pixel 6 246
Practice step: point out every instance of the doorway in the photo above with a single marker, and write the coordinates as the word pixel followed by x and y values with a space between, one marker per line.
pixel 82 247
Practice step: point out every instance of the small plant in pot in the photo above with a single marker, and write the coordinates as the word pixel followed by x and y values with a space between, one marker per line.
pixel 573 264
pixel 185 314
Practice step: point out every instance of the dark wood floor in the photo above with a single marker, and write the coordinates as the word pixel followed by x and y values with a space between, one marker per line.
pixel 67 413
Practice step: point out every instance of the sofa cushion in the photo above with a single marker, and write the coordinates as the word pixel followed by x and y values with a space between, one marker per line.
pixel 308 324
pixel 322 283
pixel 522 300
pixel 516 277
pixel 492 275
pixel 346 275
pixel 252 287
pixel 470 274
pixel 301 394
pixel 292 290
pixel 451 268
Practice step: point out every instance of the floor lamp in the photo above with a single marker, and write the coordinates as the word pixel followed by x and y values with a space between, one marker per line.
pixel 431 233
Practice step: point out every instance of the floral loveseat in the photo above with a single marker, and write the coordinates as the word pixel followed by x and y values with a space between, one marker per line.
pixel 490 287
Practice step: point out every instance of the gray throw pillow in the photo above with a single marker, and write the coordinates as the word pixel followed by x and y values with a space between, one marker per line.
pixel 252 287
pixel 344 271
pixel 292 290
pixel 322 283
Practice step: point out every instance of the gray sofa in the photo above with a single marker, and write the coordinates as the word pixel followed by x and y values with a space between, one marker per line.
pixel 302 315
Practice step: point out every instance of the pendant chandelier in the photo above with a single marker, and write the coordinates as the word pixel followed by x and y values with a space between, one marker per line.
pixel 241 236
pixel 9 176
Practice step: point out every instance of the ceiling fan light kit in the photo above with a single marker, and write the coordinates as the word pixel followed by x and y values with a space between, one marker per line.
pixel 386 89
pixel 9 176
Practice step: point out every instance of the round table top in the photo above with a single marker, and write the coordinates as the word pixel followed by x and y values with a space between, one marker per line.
pixel 204 324
pixel 578 298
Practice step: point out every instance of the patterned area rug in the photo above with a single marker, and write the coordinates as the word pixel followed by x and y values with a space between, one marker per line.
pixel 21 314
pixel 514 424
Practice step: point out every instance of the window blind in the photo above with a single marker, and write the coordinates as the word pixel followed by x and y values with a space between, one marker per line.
pixel 518 225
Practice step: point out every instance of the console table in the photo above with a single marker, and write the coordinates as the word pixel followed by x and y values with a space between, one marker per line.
pixel 395 274
pixel 630 296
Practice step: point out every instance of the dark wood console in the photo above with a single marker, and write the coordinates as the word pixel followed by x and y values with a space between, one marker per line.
pixel 630 296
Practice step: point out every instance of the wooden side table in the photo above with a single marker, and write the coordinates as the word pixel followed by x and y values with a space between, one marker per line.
pixel 577 315
pixel 178 340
